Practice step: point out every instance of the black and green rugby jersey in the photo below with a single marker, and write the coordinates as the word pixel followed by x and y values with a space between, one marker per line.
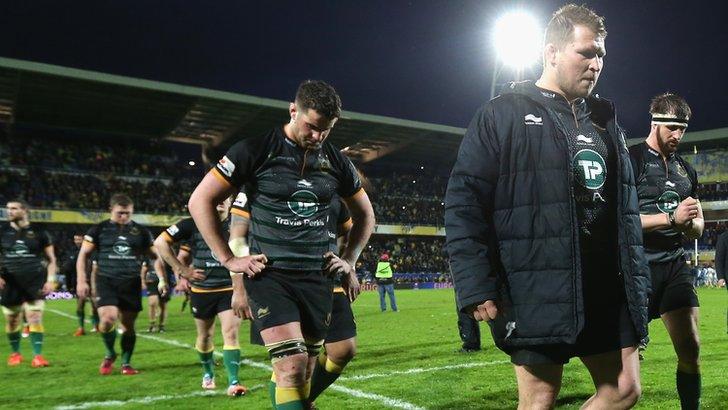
pixel 217 276
pixel 23 250
pixel 290 190
pixel 661 186
pixel 120 248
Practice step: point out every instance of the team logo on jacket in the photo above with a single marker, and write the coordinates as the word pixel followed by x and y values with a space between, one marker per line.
pixel 668 201
pixel 303 203
pixel 591 170
pixel 121 247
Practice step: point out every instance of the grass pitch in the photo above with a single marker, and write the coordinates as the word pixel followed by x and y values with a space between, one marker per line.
pixel 405 360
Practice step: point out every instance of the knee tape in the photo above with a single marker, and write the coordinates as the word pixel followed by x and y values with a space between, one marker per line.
pixel 313 347
pixel 285 348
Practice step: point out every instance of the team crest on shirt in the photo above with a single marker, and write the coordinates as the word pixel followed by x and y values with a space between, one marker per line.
pixel 134 230
pixel 668 201
pixel 303 203
pixel 591 168
pixel 323 163
pixel 20 249
pixel 30 234
pixel 121 247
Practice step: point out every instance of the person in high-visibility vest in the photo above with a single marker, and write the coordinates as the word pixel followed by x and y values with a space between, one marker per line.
pixel 385 283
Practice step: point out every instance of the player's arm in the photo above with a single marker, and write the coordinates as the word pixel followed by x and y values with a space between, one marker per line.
pixel 162 285
pixel 52 269
pixel 654 222
pixel 82 286
pixel 163 245
pixel 185 258
pixel 211 191
pixel 239 224
pixel 362 216
pixel 693 229
pixel 144 273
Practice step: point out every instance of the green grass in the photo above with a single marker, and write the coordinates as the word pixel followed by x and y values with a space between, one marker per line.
pixel 422 335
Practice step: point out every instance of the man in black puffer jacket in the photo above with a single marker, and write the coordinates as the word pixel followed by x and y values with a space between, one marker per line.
pixel 543 228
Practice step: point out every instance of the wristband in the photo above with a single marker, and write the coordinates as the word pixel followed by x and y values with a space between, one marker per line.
pixel 239 247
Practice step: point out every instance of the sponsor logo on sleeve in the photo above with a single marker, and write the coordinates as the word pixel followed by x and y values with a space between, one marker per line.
pixel 226 166
pixel 172 230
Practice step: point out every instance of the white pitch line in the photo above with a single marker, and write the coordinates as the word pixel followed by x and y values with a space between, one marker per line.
pixel 421 370
pixel 395 403
pixel 145 400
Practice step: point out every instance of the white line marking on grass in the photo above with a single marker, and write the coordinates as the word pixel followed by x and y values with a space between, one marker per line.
pixel 146 400
pixel 388 401
pixel 421 370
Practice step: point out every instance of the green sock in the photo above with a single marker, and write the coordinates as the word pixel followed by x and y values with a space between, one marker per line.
pixel 81 316
pixel 128 341
pixel 14 339
pixel 272 389
pixel 231 358
pixel 324 374
pixel 36 340
pixel 208 364
pixel 109 339
pixel 290 398
pixel 688 388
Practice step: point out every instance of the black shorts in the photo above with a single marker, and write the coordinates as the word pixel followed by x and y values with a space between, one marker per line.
pixel 152 290
pixel 672 287
pixel 206 305
pixel 280 297
pixel 124 293
pixel 607 323
pixel 21 289
pixel 343 325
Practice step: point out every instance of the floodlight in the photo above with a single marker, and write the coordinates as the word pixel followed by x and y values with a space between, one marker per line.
pixel 518 39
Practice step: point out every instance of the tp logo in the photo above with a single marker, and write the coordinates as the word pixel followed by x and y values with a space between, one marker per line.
pixel 591 169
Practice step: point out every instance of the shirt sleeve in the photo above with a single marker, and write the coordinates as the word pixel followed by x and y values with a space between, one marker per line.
pixel 47 239
pixel 92 235
pixel 238 165
pixel 181 231
pixel 241 205
pixel 148 237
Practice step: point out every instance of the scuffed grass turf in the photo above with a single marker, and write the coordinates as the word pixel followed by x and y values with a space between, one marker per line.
pixel 423 335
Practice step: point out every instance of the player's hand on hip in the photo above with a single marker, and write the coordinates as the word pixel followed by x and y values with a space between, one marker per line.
pixel 334 265
pixel 240 305
pixel 486 311
pixel 351 286
pixel 183 285
pixel 191 273
pixel 686 211
pixel 249 265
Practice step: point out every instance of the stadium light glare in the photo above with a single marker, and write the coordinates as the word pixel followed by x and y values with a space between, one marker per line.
pixel 191 163
pixel 517 37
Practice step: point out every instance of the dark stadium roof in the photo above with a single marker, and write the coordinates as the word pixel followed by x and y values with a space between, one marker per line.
pixel 54 97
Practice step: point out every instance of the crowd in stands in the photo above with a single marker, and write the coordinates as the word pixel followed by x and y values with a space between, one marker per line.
pixel 413 259
pixel 717 191
pixel 711 165
pixel 137 157
pixel 711 233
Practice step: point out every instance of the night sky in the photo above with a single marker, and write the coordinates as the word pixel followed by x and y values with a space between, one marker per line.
pixel 429 61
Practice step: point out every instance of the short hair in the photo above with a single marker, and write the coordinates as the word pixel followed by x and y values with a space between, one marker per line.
pixel 669 103
pixel 319 96
pixel 121 200
pixel 561 27
pixel 23 203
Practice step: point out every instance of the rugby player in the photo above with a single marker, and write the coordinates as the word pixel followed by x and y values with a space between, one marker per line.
pixel 120 245
pixel 210 294
pixel 156 300
pixel 671 212
pixel 543 228
pixel 69 271
pixel 293 174
pixel 340 342
pixel 23 281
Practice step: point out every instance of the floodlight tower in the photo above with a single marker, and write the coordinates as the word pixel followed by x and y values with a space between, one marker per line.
pixel 518 38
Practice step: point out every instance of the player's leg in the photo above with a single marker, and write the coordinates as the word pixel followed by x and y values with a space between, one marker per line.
pixel 163 300
pixel 616 376
pixel 340 346
pixel 108 315
pixel 230 326
pixel 153 304
pixel 538 385
pixel 205 350
pixel 13 326
pixel 682 325
pixel 128 340
pixel 80 315
pixel 34 313
pixel 289 357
